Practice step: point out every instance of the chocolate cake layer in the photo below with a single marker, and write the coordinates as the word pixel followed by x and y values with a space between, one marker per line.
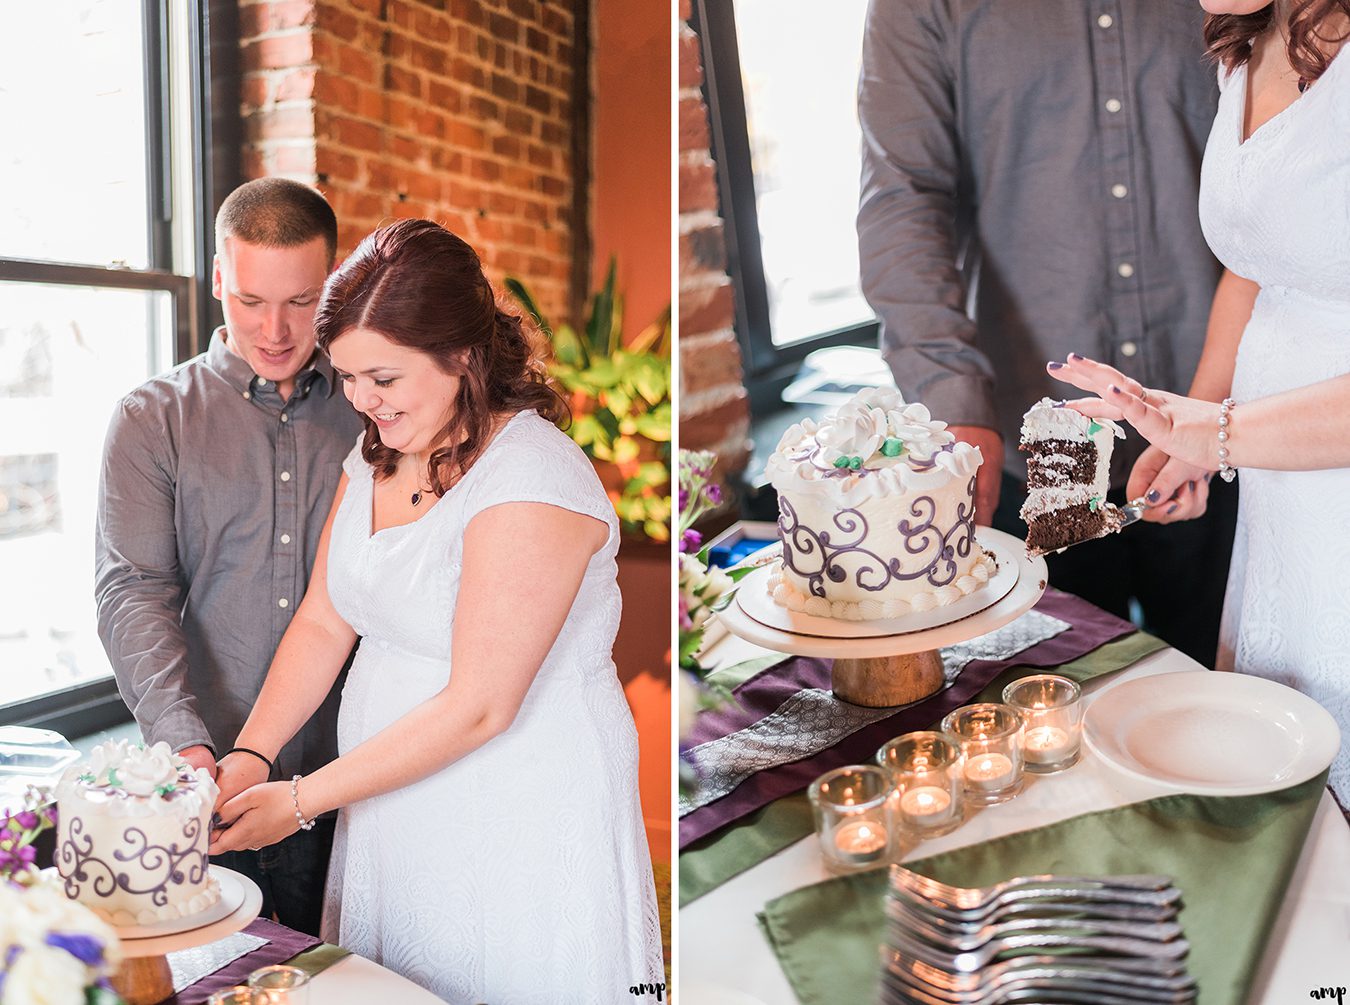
pixel 1060 528
pixel 1057 464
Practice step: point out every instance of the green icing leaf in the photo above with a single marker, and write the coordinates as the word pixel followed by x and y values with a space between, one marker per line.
pixel 1094 502
pixel 855 463
pixel 112 777
pixel 1094 427
pixel 893 447
pixel 165 790
pixel 841 462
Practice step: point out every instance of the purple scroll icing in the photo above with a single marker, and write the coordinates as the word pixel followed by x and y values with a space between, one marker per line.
pixel 168 865
pixel 815 554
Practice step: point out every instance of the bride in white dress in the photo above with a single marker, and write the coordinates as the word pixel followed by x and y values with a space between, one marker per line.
pixel 490 844
pixel 1275 207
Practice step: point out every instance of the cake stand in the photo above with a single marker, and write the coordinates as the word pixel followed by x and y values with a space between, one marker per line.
pixel 144 977
pixel 884 670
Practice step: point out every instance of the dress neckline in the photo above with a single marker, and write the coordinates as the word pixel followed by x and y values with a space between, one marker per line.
pixel 372 533
pixel 1283 115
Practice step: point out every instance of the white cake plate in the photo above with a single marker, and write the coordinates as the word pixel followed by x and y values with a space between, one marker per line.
pixel 886 670
pixel 144 977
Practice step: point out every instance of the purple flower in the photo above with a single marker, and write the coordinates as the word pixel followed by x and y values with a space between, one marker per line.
pixel 714 494
pixel 26 854
pixel 689 542
pixel 85 948
pixel 27 819
pixel 7 862
pixel 684 498
pixel 686 623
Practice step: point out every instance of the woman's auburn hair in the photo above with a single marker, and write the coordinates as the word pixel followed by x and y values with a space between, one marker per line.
pixel 422 287
pixel 1228 37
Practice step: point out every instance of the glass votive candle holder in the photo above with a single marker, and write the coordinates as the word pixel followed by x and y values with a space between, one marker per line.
pixel 990 736
pixel 925 768
pixel 240 996
pixel 1052 720
pixel 284 985
pixel 853 808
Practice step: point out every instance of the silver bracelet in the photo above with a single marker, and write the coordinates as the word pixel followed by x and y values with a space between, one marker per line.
pixel 1226 471
pixel 305 825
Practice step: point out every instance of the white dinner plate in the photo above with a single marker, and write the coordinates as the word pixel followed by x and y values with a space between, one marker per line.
pixel 754 599
pixel 1211 733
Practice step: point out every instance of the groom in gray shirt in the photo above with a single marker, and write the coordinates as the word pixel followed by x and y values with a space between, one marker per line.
pixel 217 479
pixel 1030 188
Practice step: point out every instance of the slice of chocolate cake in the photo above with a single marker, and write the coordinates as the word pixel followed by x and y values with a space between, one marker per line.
pixel 1067 477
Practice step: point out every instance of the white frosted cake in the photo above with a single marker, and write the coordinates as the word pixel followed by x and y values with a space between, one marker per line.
pixel 133 824
pixel 1068 476
pixel 876 512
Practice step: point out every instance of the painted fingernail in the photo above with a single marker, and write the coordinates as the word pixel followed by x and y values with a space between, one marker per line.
pixel 1208 476
pixel 1153 495
pixel 1116 390
pixel 1074 356
pixel 1055 366
pixel 1192 485
pixel 1172 509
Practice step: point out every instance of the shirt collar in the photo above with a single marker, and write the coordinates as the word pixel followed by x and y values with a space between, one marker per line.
pixel 315 377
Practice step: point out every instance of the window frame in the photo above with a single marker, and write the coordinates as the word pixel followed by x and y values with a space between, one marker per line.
pixel 768 368
pixel 90 707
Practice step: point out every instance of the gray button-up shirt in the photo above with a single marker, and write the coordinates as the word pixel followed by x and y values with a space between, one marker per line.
pixel 1030 187
pixel 213 495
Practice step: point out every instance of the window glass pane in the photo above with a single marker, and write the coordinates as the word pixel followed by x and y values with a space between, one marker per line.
pixel 67 355
pixel 73 170
pixel 801 112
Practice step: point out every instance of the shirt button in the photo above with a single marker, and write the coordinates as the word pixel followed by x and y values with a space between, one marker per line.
pixel 285 539
pixel 261 382
pixel 1128 348
pixel 283 602
pixel 286 475
pixel 285 417
pixel 1125 269
pixel 1105 21
pixel 1119 191
pixel 1113 105
pixel 247 396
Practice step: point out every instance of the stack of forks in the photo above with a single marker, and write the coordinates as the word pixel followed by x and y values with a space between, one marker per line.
pixel 1105 940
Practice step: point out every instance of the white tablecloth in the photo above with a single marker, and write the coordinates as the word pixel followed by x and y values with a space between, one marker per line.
pixel 725 960
pixel 357 981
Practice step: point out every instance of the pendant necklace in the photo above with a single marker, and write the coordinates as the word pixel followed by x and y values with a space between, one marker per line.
pixel 417 497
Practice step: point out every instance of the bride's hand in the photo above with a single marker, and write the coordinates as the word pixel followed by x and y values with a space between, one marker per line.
pixel 1184 428
pixel 1172 490
pixel 256 817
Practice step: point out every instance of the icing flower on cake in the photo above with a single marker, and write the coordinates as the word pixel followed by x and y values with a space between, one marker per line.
pixel 138 770
pixel 877 421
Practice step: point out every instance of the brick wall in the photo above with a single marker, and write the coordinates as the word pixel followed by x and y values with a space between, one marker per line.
pixel 714 407
pixel 460 111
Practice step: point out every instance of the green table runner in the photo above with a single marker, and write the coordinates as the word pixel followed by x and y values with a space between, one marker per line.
pixel 707 864
pixel 1231 856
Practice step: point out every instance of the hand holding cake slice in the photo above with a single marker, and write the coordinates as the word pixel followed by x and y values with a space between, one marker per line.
pixel 1068 475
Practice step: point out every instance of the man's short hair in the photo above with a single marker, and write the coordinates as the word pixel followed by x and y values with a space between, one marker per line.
pixel 276 213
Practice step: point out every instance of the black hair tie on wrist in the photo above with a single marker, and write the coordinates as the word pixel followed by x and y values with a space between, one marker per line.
pixel 246 750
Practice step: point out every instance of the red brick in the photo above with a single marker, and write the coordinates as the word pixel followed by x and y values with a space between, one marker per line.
pixel 357 134
pixel 341 24
pixel 339 166
pixel 505 28
pixel 703 249
pixel 255 91
pixel 351 62
pixel 727 423
pixel 429 57
pixel 280 124
pixel 708 362
pixel 706 308
pixel 694 134
pixel 691 60
pixel 403 81
pixel 467 136
pixel 698 185
pixel 468 73
pixel 279 15
pixel 297 85
pixel 295 160
pixel 278 52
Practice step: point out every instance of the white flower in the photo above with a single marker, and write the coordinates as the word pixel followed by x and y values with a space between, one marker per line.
pixel 43 975
pixel 139 770
pixel 856 430
pixel 872 416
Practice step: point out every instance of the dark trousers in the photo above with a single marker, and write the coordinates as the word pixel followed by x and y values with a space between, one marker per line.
pixel 1177 573
pixel 291 875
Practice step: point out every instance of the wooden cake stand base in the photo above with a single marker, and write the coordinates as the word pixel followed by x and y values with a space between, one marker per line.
pixel 887 670
pixel 144 977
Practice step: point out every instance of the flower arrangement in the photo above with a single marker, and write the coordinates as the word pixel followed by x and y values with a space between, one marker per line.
pixel 53 951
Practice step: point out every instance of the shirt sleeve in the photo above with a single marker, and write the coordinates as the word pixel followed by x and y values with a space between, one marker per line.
pixel 354 465
pixel 137 584
pixel 909 208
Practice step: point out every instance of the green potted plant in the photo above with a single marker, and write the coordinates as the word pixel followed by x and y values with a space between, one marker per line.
pixel 620 398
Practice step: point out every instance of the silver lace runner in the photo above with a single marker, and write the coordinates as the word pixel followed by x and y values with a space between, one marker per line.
pixel 813 720
pixel 188 966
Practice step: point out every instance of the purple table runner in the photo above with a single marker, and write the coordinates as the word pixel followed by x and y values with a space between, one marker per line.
pixel 1090 627
pixel 282 944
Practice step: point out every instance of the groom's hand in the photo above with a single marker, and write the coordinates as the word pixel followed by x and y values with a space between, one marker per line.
pixel 199 757
pixel 237 773
pixel 1172 490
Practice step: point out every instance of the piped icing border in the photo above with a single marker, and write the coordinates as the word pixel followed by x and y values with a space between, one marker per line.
pixel 786 595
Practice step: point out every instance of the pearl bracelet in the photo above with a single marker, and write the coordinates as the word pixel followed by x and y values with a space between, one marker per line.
pixel 305 825
pixel 1226 471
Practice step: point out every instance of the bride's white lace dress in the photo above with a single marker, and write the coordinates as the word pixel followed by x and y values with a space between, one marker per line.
pixel 1276 210
pixel 520 873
